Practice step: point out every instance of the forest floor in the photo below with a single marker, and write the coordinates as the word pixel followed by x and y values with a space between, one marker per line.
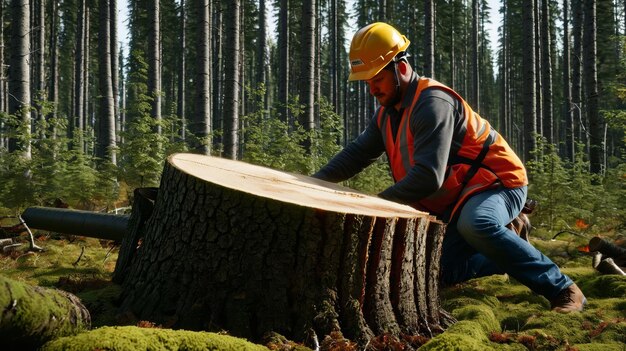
pixel 494 313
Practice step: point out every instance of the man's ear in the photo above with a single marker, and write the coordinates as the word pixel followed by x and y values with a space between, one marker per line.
pixel 403 67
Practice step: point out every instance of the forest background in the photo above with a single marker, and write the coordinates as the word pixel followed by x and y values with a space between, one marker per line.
pixel 86 122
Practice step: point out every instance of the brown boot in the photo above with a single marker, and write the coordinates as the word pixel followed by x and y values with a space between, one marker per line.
pixel 571 299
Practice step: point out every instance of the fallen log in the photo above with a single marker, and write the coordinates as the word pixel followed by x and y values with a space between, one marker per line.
pixel 31 315
pixel 244 248
pixel 76 222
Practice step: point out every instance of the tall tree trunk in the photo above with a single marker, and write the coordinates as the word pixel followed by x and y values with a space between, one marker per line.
pixel 567 87
pixel 577 60
pixel 429 38
pixel 307 72
pixel 596 125
pixel 115 64
pixel 538 70
pixel 201 120
pixel 475 57
pixel 3 101
pixel 154 61
pixel 182 62
pixel 87 121
pixel 334 53
pixel 283 59
pixel 261 52
pixel 53 87
pixel 217 88
pixel 76 125
pixel 529 86
pixel 40 93
pixel 123 94
pixel 231 77
pixel 547 92
pixel 19 76
pixel 106 118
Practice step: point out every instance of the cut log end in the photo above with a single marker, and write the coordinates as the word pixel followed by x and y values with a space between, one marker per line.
pixel 248 249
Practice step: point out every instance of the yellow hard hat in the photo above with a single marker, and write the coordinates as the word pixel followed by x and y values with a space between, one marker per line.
pixel 372 48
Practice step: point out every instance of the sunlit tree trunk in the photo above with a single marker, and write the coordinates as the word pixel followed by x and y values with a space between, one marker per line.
pixel 217 69
pixel 567 86
pixel 528 59
pixel 538 69
pixel 115 63
pixel 76 125
pixel 283 58
pixel 201 120
pixel 3 101
pixel 231 77
pixel 475 56
pixel 261 53
pixel 19 75
pixel 182 57
pixel 546 66
pixel 577 60
pixel 429 38
pixel 53 86
pixel 596 126
pixel 106 118
pixel 154 61
pixel 307 72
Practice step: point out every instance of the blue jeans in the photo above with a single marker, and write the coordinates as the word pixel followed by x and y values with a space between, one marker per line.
pixel 478 244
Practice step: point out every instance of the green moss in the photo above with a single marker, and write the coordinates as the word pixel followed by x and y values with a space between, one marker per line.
pixel 614 332
pixel 599 347
pixel 101 303
pixel 33 315
pixel 603 286
pixel 150 339
pixel 480 314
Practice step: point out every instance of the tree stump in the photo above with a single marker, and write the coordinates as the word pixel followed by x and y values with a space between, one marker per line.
pixel 233 246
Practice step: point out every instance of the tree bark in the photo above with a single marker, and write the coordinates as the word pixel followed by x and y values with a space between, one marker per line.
pixel 577 61
pixel 201 121
pixel 182 64
pixel 529 87
pixel 567 87
pixel 283 59
pixel 33 315
pixel 307 72
pixel 19 76
pixel 231 79
pixel 546 75
pixel 75 126
pixel 154 61
pixel 475 58
pixel 106 119
pixel 251 250
pixel 429 39
pixel 596 125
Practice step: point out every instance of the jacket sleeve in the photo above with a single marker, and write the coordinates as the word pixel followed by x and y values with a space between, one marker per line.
pixel 432 124
pixel 357 155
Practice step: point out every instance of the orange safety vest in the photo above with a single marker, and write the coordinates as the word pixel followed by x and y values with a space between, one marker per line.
pixel 484 160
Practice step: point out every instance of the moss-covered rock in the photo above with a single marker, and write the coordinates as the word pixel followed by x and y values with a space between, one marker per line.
pixel 150 339
pixel 32 315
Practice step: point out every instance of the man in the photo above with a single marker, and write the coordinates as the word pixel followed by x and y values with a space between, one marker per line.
pixel 447 160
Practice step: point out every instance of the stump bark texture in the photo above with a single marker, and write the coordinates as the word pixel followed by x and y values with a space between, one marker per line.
pixel 228 245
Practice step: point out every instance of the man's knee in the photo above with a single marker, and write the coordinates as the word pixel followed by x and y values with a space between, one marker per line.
pixel 475 226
